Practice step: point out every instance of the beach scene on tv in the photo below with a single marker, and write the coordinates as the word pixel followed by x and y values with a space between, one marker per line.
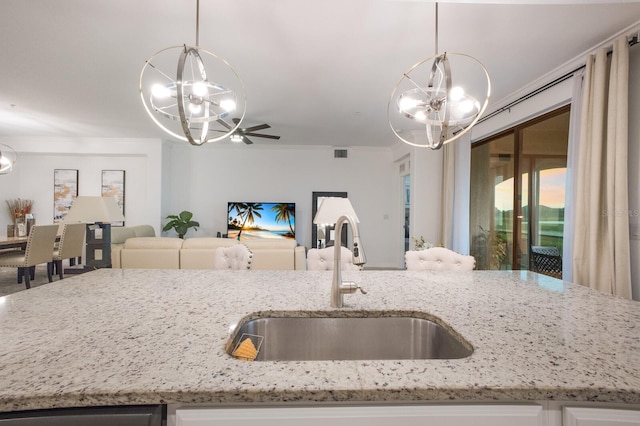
pixel 255 221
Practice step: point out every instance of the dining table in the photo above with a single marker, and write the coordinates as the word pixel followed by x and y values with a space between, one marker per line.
pixel 7 243
pixel 13 242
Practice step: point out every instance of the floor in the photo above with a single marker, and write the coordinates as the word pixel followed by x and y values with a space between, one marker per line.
pixel 9 283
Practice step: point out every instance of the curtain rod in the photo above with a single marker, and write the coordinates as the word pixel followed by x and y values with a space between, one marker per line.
pixel 633 40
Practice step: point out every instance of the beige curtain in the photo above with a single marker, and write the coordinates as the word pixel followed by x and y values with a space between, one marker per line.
pixel 601 240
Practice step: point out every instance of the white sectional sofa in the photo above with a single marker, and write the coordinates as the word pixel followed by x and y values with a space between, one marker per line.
pixel 120 234
pixel 199 253
pixel 151 253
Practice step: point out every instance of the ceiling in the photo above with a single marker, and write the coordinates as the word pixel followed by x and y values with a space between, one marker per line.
pixel 319 72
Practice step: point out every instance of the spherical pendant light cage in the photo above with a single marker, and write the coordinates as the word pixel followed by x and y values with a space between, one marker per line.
pixel 438 100
pixel 191 94
pixel 8 157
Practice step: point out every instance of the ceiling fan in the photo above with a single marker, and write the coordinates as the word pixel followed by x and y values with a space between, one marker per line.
pixel 241 134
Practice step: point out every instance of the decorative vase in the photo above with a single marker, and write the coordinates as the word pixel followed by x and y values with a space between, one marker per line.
pixel 31 220
pixel 21 227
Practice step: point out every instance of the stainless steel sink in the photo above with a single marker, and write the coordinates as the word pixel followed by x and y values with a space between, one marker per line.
pixel 349 338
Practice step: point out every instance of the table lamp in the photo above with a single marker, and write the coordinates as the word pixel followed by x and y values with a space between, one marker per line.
pixel 330 209
pixel 98 213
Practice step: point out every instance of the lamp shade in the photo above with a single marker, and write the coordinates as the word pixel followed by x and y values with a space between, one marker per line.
pixel 332 208
pixel 87 209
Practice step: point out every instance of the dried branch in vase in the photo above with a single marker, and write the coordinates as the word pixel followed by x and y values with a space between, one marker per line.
pixel 19 208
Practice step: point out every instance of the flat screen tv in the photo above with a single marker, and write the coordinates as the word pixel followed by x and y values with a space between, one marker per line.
pixel 255 221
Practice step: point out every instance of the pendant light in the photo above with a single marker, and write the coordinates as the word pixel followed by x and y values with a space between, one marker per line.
pixel 432 105
pixel 193 103
pixel 8 157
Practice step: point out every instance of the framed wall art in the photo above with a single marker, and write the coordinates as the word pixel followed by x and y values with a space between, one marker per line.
pixel 65 191
pixel 324 238
pixel 113 186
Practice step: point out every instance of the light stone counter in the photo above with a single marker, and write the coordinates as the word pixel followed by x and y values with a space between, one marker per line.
pixel 113 337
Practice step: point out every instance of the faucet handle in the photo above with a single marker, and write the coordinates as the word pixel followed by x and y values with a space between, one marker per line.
pixel 349 287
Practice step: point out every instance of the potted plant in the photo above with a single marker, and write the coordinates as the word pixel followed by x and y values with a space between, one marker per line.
pixel 181 223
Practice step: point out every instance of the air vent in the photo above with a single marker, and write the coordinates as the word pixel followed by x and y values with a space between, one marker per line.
pixel 340 153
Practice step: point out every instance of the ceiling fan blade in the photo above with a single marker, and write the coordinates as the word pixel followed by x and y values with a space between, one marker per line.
pixel 254 128
pixel 246 140
pixel 260 135
pixel 224 123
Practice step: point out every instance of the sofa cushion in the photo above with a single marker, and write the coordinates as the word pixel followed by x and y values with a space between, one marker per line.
pixel 159 243
pixel 200 252
pixel 119 234
pixel 207 243
pixel 144 231
pixel 272 254
pixel 151 253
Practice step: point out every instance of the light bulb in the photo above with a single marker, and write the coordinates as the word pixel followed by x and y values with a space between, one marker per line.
pixel 160 91
pixel 236 138
pixel 466 106
pixel 420 116
pixel 456 93
pixel 407 103
pixel 199 88
pixel 195 108
pixel 228 104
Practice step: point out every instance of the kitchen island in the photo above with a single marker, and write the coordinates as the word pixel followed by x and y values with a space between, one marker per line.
pixel 125 337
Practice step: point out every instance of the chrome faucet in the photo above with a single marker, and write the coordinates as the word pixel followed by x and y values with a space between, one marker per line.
pixel 339 288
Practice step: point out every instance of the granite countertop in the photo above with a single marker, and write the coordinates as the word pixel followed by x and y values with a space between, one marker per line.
pixel 113 337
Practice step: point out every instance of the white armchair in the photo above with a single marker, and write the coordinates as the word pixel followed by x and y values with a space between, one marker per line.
pixel 322 259
pixel 237 257
pixel 438 259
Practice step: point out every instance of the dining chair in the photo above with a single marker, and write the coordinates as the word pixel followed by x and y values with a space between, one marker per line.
pixel 70 246
pixel 39 250
pixel 438 259
pixel 237 256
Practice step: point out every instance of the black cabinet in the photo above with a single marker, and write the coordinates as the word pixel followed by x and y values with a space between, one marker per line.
pixel 98 246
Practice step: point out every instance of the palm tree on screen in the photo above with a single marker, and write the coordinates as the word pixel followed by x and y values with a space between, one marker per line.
pixel 284 213
pixel 248 212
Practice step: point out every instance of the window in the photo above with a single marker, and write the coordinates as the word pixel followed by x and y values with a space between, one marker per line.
pixel 518 181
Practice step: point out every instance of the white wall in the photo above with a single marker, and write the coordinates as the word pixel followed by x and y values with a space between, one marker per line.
pixel 203 179
pixel 425 168
pixel 32 177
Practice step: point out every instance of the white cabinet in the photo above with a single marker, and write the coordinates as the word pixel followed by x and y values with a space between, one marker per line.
pixel 586 416
pixel 431 415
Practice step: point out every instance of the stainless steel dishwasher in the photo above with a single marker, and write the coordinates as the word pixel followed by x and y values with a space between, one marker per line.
pixel 144 415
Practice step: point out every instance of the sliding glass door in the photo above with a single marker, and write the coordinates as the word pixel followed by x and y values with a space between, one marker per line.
pixel 517 193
